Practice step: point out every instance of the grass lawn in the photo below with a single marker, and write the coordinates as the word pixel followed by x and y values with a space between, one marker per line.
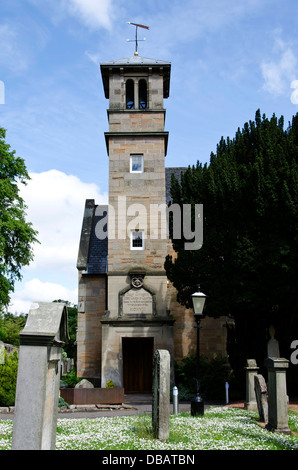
pixel 220 428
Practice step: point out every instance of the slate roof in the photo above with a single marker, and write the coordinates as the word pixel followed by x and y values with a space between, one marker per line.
pixel 98 249
pixel 136 60
pixel 93 251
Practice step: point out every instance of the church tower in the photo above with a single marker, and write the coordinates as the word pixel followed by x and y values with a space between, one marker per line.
pixel 126 307
pixel 137 312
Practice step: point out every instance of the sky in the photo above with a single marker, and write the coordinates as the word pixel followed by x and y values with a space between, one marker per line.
pixel 228 59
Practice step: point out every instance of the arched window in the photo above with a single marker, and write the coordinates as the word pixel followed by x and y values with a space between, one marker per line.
pixel 142 94
pixel 130 95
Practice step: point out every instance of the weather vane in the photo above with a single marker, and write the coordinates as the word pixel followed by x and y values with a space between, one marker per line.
pixel 136 38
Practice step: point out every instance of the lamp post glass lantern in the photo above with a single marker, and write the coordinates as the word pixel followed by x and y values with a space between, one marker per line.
pixel 198 300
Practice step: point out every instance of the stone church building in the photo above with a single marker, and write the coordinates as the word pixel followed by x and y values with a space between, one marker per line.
pixel 126 306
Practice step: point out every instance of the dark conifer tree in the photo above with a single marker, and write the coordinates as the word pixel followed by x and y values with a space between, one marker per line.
pixel 248 262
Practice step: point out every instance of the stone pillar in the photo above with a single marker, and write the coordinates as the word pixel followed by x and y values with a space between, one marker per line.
pixel 161 394
pixel 38 379
pixel 251 371
pixel 277 395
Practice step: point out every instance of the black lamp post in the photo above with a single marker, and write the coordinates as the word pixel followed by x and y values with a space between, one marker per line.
pixel 198 300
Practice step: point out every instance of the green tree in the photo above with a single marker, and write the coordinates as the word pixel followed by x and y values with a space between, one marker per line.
pixel 10 327
pixel 72 315
pixel 16 235
pixel 8 379
pixel 248 262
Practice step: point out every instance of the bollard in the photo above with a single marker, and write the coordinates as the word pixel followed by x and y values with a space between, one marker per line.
pixel 227 392
pixel 175 400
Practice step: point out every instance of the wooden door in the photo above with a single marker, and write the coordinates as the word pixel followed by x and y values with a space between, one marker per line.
pixel 137 364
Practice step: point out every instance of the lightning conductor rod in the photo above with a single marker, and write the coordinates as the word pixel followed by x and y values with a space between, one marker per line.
pixel 136 38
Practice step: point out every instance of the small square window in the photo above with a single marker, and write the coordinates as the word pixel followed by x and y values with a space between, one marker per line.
pixel 137 240
pixel 136 164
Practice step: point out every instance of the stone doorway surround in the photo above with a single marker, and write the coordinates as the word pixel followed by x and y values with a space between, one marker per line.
pixel 113 332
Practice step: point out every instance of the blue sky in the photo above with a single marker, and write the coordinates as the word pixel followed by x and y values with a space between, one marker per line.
pixel 229 58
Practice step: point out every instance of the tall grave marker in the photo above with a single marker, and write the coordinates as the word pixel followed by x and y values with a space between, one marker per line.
pixel 277 387
pixel 38 379
pixel 251 372
pixel 161 394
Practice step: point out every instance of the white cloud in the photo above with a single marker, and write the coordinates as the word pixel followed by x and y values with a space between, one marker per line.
pixel 280 72
pixel 55 207
pixel 273 78
pixel 278 75
pixel 94 13
pixel 55 203
pixel 38 291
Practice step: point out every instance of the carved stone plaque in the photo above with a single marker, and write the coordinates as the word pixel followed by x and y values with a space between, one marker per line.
pixel 137 302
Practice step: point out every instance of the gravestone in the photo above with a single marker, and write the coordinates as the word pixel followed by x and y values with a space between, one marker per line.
pixel 161 394
pixel 38 378
pixel 272 345
pixel 277 395
pixel 261 397
pixel 251 371
pixel 2 352
pixel 66 365
pixel 84 383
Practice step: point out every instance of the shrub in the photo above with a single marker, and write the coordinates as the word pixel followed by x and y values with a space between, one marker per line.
pixel 110 384
pixel 213 375
pixel 185 377
pixel 8 379
pixel 62 403
pixel 71 378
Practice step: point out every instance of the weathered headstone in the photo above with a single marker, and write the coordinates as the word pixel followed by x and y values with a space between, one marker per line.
pixel 277 395
pixel 2 352
pixel 84 383
pixel 161 394
pixel 261 397
pixel 66 365
pixel 251 371
pixel 272 345
pixel 38 379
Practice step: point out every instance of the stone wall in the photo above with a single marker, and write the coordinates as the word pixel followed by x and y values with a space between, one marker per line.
pixel 152 121
pixel 213 335
pixel 92 295
pixel 126 191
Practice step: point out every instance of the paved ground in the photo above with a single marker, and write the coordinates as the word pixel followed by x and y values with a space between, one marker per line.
pixel 133 404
